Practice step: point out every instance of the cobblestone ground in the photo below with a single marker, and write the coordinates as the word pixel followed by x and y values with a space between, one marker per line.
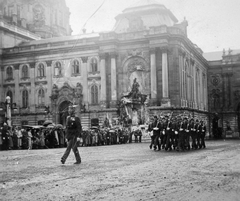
pixel 123 172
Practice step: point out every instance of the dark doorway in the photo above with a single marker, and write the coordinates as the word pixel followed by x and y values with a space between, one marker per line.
pixel 63 112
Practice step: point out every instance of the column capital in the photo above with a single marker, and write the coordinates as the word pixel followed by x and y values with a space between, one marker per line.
pixel 192 61
pixel 181 52
pixel 49 62
pixel 16 66
pixel 32 64
pixel 84 59
pixel 102 55
pixel 152 50
pixel 113 54
pixel 164 49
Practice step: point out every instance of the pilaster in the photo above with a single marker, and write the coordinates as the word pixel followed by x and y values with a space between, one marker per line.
pixel 103 97
pixel 85 78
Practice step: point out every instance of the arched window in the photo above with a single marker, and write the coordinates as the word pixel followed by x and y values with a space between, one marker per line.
pixel 41 97
pixel 9 73
pixel 57 68
pixel 41 72
pixel 24 71
pixel 94 94
pixel 94 65
pixel 75 67
pixel 25 98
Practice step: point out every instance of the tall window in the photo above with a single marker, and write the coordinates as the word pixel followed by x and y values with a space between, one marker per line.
pixel 57 68
pixel 24 71
pixel 94 94
pixel 9 73
pixel 94 65
pixel 25 98
pixel 75 67
pixel 41 97
pixel 41 72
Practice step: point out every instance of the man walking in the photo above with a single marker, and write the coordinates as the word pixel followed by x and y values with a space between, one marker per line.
pixel 73 134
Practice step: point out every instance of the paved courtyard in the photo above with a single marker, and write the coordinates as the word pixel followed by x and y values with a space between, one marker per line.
pixel 123 172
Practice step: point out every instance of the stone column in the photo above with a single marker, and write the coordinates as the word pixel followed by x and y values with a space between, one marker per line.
pixel 17 90
pixel 1 83
pixel 85 79
pixel 113 79
pixel 153 75
pixel 103 97
pixel 49 82
pixel 165 91
pixel 32 87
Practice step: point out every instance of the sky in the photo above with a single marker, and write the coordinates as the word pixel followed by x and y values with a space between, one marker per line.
pixel 213 25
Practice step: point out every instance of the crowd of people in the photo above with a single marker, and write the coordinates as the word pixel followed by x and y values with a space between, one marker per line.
pixel 31 137
pixel 39 137
pixel 177 133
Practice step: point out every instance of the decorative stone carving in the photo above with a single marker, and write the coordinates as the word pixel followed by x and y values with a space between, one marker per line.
pixel 135 23
pixel 136 64
pixel 78 90
pixel 55 92
pixel 237 94
pixel 135 52
pixel 215 80
pixel 84 59
pixel 38 15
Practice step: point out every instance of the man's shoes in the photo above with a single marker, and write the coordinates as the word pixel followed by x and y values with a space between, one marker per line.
pixel 62 161
pixel 77 163
pixel 150 146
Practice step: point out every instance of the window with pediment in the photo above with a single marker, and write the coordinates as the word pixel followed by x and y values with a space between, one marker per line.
pixel 9 72
pixel 75 67
pixel 93 65
pixel 25 98
pixel 58 69
pixel 94 94
pixel 41 70
pixel 25 71
pixel 41 97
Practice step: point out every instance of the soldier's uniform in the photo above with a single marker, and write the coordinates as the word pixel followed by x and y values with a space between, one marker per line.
pixel 73 131
pixel 163 132
pixel 169 135
pixel 198 134
pixel 187 136
pixel 182 130
pixel 192 132
pixel 156 133
pixel 202 134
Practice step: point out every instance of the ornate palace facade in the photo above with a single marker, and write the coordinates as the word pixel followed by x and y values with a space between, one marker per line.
pixel 95 70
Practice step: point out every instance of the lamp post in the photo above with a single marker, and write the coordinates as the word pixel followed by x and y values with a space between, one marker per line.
pixel 7 106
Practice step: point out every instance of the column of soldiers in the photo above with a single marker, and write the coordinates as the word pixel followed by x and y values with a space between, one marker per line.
pixel 178 133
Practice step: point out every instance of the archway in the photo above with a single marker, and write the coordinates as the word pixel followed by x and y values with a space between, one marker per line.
pixel 63 112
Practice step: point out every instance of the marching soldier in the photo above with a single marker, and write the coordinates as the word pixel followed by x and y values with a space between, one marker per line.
pixel 192 132
pixel 197 134
pixel 202 134
pixel 169 135
pixel 163 132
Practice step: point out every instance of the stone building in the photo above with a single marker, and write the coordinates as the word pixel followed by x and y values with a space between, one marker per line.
pixel 95 70
pixel 224 93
